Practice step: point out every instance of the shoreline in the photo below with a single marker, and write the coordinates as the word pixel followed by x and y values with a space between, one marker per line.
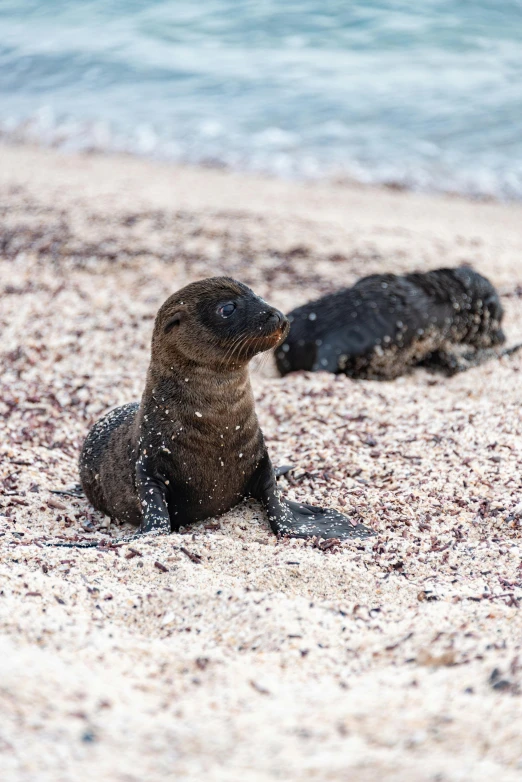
pixel 328 182
pixel 266 660
pixel 331 177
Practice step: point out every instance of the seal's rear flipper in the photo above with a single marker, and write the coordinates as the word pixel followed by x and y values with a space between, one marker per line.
pixel 283 470
pixel 444 362
pixel 451 364
pixel 299 520
pixel 72 491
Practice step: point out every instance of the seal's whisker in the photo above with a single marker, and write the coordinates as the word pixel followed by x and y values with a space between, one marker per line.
pixel 243 345
pixel 233 347
pixel 228 352
pixel 265 359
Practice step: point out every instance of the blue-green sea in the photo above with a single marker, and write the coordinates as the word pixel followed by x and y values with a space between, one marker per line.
pixel 426 95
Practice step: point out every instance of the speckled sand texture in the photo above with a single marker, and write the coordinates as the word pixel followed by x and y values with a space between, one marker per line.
pixel 220 654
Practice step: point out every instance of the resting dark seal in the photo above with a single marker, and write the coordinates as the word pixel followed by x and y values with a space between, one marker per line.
pixel 192 448
pixel 387 323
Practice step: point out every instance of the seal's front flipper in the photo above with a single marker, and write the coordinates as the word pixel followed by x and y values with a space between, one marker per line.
pixel 344 350
pixel 300 520
pixel 296 519
pixel 328 355
pixel 152 492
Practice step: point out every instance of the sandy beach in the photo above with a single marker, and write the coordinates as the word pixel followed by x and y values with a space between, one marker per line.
pixel 243 658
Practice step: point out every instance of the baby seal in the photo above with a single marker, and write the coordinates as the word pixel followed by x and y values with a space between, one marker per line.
pixel 387 323
pixel 192 448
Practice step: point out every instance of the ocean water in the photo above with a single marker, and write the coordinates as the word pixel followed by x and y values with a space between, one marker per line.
pixel 424 95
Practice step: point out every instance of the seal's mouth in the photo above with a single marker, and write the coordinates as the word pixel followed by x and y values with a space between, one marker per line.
pixel 262 342
pixel 276 336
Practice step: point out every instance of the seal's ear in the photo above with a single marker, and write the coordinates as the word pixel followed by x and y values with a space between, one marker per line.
pixel 173 321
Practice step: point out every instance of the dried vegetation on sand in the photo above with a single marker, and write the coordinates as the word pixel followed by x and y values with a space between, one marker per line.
pixel 220 653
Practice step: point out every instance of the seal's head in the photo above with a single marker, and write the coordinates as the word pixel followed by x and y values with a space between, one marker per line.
pixel 217 322
pixel 484 307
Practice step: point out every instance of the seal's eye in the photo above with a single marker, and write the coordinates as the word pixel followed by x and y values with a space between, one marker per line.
pixel 227 309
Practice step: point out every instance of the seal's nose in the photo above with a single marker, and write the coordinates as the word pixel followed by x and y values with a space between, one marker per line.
pixel 276 319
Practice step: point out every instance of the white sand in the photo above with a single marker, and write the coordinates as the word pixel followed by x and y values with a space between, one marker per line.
pixel 265 661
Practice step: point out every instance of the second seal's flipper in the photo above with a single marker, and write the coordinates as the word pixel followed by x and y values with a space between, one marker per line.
pixel 445 363
pixel 300 520
pixel 451 364
pixel 510 351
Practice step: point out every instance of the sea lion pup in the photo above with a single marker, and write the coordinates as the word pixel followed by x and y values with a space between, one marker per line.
pixel 192 448
pixel 387 323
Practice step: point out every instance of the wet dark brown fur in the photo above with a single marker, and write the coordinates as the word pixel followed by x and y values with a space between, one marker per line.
pixel 192 448
pixel 387 323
